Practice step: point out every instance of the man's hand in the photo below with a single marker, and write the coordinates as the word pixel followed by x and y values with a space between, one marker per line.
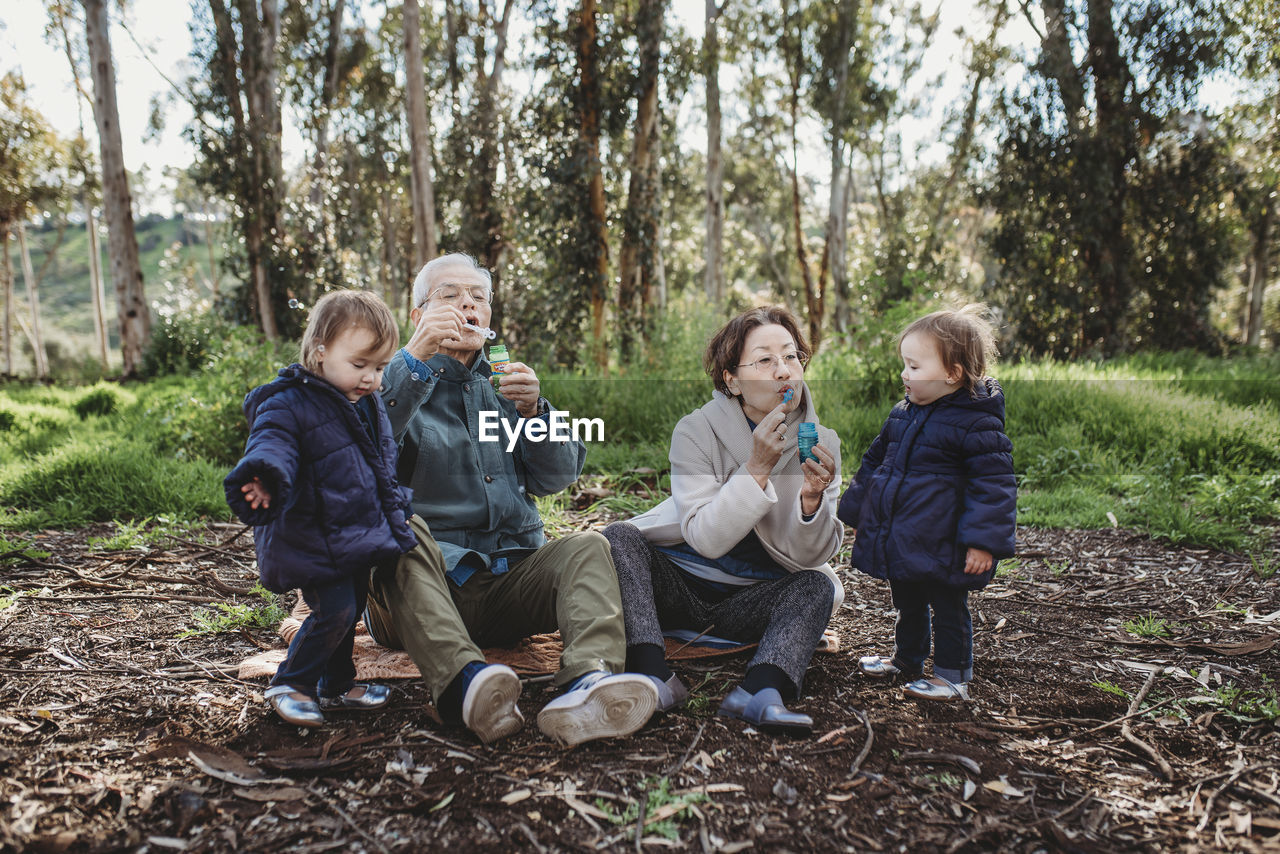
pixel 441 324
pixel 519 384
pixel 255 492
pixel 977 561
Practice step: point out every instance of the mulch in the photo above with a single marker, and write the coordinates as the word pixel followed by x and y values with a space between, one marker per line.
pixel 1117 706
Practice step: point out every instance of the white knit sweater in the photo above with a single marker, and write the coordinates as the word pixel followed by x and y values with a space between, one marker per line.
pixel 715 502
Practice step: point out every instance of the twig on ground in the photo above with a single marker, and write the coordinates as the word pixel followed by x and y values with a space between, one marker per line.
pixel 699 636
pixel 1127 731
pixel 953 758
pixel 1231 780
pixel 866 748
pixel 1118 720
pixel 670 772
pixel 640 816
pixel 348 819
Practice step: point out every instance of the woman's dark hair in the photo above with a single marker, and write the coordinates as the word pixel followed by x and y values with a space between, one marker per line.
pixel 724 351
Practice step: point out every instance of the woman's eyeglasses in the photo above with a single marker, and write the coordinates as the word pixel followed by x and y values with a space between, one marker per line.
pixel 768 364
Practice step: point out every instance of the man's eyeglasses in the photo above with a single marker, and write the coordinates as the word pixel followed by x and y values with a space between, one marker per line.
pixel 451 294
pixel 768 364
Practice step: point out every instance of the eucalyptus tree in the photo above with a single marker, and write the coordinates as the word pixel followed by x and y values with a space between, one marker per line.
pixel 30 176
pixel 423 189
pixel 132 310
pixel 1109 180
pixel 713 275
pixel 237 128
pixel 640 257
pixel 1255 129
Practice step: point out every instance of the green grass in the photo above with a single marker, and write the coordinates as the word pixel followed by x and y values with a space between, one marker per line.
pixel 658 794
pixel 1180 446
pixel 232 617
pixel 1149 626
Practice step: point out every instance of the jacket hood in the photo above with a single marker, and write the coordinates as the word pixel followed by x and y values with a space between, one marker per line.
pixel 988 397
pixel 291 377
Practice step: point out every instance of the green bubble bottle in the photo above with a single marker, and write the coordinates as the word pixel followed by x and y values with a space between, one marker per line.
pixel 498 361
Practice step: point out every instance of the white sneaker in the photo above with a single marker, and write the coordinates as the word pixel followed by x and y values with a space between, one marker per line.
pixel 489 707
pixel 599 705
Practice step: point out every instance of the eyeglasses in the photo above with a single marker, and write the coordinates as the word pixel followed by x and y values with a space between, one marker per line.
pixel 452 293
pixel 768 364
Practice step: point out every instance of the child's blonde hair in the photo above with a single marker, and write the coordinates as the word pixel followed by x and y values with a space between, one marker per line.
pixel 965 338
pixel 338 311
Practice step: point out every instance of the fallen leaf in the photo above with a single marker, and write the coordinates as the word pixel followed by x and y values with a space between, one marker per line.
pixel 516 796
pixel 444 802
pixel 278 794
pixel 969 788
pixel 1003 788
pixel 251 777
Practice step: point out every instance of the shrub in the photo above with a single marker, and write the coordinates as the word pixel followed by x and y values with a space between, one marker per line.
pixel 99 400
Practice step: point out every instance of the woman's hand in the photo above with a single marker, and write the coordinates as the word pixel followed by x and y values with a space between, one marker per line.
pixel 977 561
pixel 439 325
pixel 255 492
pixel 768 443
pixel 817 477
pixel 519 384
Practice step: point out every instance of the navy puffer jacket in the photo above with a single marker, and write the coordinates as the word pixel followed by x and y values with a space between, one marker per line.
pixel 937 481
pixel 336 508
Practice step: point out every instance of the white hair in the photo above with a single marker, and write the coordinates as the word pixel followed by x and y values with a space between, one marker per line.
pixel 428 276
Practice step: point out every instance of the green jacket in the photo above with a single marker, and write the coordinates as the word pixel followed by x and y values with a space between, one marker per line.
pixel 476 497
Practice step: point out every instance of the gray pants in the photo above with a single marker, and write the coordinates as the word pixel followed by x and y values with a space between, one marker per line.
pixel 786 615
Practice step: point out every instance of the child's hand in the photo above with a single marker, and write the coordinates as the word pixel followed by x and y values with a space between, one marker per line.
pixel 256 494
pixel 977 561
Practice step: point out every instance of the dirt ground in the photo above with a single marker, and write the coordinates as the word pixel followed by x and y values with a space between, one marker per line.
pixel 1087 732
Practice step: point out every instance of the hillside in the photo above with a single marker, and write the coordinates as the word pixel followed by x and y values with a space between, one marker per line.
pixel 170 250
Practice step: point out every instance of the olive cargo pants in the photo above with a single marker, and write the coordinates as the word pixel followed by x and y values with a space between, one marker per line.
pixel 568 584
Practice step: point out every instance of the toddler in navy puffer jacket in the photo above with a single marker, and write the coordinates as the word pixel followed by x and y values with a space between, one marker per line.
pixel 318 482
pixel 934 502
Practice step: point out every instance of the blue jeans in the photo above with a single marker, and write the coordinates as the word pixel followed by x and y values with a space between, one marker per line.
pixel 945 610
pixel 319 658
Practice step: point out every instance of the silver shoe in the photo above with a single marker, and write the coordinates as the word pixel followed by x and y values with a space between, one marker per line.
pixel 671 694
pixel 927 689
pixel 283 699
pixel 878 667
pixel 372 697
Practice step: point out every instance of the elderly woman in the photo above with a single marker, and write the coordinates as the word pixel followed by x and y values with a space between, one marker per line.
pixel 740 549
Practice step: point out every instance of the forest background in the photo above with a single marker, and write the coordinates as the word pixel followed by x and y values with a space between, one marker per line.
pixel 631 185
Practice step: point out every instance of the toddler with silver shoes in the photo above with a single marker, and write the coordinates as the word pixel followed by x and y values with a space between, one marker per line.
pixel 934 502
pixel 317 480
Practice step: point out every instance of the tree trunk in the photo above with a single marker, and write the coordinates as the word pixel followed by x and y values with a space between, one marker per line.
pixel 1109 257
pixel 39 356
pixel 1056 59
pixel 7 272
pixel 713 276
pixel 598 273
pixel 836 242
pixel 813 292
pixel 122 242
pixel 424 205
pixel 640 227
pixel 1258 271
pixel 98 297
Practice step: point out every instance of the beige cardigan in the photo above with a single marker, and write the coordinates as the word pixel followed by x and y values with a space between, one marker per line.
pixel 715 502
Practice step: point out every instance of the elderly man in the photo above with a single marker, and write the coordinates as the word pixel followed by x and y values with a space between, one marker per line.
pixel 483 573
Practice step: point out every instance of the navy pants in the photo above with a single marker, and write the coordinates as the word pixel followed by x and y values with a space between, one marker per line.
pixel 319 658
pixel 938 612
